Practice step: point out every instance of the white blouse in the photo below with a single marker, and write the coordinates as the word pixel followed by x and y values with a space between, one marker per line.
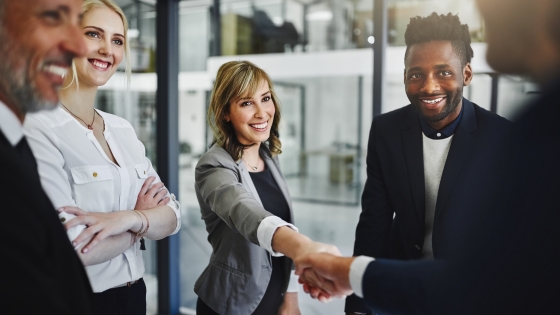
pixel 75 171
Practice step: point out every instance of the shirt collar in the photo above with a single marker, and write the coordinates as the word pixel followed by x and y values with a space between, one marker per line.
pixel 10 125
pixel 444 133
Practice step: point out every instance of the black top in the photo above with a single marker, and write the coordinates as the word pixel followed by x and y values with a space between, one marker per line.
pixel 446 131
pixel 274 202
pixel 270 194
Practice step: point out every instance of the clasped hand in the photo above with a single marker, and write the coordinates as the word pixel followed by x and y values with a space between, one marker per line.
pixel 324 275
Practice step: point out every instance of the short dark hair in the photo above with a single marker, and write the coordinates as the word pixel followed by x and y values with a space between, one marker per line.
pixel 443 27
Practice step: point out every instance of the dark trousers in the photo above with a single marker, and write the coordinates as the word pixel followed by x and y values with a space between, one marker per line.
pixel 123 300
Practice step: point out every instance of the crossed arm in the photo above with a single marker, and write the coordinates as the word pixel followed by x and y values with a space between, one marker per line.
pixel 110 234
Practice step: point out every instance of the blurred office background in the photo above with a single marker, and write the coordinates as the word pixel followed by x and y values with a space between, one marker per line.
pixel 319 53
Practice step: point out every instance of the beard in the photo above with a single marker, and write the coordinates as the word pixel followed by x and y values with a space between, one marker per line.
pixel 453 100
pixel 16 82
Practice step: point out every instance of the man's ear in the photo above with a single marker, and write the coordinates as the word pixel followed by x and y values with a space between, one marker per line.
pixel 467 74
pixel 404 76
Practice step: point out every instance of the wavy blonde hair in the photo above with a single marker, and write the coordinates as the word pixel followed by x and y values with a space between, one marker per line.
pixel 235 80
pixel 89 5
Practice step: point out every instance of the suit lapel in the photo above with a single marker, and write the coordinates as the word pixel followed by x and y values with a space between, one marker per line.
pixel 461 146
pixel 275 171
pixel 412 142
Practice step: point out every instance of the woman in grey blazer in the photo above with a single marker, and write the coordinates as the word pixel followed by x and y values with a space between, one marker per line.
pixel 245 203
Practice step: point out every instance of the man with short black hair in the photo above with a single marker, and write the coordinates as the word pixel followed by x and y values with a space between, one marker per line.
pixel 508 260
pixel 424 158
pixel 41 272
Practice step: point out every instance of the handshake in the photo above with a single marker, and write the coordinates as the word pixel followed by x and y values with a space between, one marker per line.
pixel 325 275
pixel 320 267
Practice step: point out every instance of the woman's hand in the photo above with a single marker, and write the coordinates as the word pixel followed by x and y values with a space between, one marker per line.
pixel 100 225
pixel 297 246
pixel 290 305
pixel 151 197
pixel 312 247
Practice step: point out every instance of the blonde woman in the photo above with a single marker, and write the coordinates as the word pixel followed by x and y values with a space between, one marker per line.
pixel 245 203
pixel 94 169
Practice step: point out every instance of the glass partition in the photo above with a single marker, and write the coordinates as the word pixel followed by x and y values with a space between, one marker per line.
pixel 137 104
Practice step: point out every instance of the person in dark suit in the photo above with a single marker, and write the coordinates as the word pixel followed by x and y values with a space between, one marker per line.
pixel 41 272
pixel 427 159
pixel 512 267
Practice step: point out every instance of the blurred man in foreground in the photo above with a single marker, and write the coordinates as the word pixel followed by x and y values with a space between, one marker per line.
pixel 41 272
pixel 508 261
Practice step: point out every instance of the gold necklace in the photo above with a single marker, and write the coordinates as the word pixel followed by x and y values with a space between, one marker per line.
pixel 251 166
pixel 89 126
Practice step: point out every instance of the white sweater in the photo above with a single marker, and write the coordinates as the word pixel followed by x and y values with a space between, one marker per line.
pixel 435 155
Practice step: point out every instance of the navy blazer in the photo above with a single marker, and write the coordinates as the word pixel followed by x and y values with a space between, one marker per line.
pixel 506 261
pixel 392 222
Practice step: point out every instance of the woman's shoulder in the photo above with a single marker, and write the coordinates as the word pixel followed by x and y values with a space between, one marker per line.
pixel 216 156
pixel 47 118
pixel 114 120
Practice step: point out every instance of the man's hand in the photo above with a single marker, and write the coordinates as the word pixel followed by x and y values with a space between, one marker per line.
pixel 325 275
pixel 290 306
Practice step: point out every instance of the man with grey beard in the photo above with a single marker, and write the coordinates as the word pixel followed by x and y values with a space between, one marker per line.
pixel 41 271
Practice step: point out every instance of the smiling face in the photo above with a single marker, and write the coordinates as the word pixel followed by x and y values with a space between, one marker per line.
pixel 103 31
pixel 39 40
pixel 434 80
pixel 252 116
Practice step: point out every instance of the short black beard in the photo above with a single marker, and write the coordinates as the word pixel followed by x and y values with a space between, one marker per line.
pixel 454 101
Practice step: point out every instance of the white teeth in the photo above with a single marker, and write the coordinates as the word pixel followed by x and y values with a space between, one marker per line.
pixel 260 126
pixel 56 70
pixel 432 101
pixel 100 64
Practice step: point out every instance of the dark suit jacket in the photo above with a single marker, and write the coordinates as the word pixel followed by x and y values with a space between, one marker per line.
pixel 41 273
pixel 395 183
pixel 507 261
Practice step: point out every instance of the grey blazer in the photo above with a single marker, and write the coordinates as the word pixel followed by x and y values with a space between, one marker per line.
pixel 236 278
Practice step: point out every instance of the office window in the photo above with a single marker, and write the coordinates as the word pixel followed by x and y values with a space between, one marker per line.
pixel 137 105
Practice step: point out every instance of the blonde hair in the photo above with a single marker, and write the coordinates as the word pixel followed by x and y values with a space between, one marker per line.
pixel 235 80
pixel 89 5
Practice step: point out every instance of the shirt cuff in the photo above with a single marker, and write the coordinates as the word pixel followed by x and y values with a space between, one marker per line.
pixel 293 285
pixel 176 207
pixel 266 230
pixel 357 270
pixel 73 232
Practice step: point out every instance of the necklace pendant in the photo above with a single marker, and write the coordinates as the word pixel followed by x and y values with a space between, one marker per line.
pixel 254 168
pixel 90 127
